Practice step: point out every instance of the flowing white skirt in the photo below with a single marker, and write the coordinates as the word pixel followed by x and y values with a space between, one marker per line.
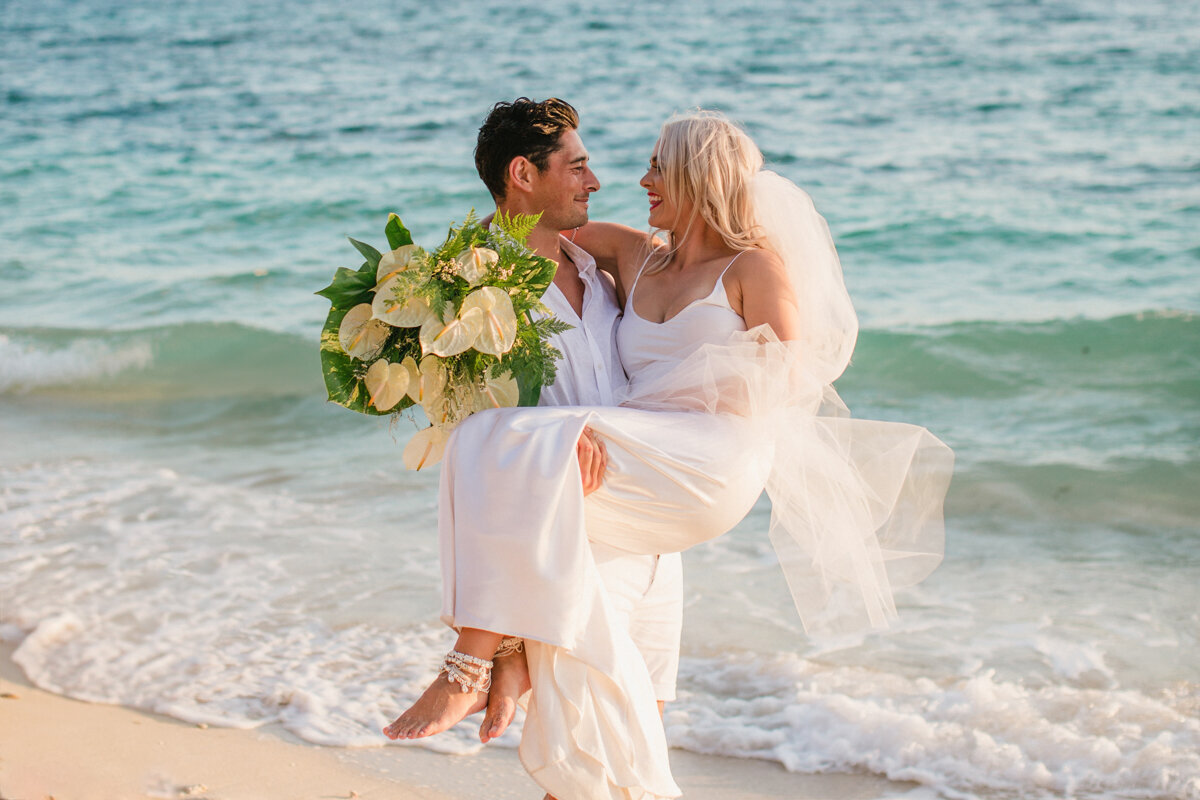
pixel 514 529
pixel 856 510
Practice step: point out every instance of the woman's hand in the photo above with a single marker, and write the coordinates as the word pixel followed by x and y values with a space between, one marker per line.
pixel 593 460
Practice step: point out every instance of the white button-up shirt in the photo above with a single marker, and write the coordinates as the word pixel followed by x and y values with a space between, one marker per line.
pixel 589 371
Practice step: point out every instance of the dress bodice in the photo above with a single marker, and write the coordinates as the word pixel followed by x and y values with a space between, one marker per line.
pixel 710 320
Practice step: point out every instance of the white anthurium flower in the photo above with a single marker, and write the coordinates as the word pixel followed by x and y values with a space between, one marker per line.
pixel 474 262
pixel 361 336
pixel 437 411
pixel 394 262
pixel 426 448
pixel 497 392
pixel 499 329
pixel 426 380
pixel 412 312
pixel 452 337
pixel 387 384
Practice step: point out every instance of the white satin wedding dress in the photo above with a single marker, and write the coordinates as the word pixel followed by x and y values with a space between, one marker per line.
pixel 714 413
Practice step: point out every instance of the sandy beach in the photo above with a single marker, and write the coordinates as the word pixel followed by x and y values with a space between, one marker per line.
pixel 51 746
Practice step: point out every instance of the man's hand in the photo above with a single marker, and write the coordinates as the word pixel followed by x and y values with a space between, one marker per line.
pixel 593 460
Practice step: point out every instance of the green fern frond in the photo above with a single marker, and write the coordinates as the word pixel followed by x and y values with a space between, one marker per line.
pixel 518 226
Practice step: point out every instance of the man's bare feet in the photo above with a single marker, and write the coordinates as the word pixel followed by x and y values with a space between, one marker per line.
pixel 442 705
pixel 510 680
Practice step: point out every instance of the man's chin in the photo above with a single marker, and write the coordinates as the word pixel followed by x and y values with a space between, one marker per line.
pixel 572 221
pixel 565 220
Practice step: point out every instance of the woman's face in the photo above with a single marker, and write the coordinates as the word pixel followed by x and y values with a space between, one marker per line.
pixel 665 214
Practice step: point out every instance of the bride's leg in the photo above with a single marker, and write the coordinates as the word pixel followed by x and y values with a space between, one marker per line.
pixel 510 680
pixel 445 702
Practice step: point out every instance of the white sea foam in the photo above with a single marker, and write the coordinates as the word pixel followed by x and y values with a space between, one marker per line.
pixel 1077 662
pixel 211 603
pixel 973 734
pixel 25 366
pixel 239 603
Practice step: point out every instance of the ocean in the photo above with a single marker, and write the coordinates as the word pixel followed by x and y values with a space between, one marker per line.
pixel 187 527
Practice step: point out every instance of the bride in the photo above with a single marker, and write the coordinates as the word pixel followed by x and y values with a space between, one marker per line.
pixel 732 335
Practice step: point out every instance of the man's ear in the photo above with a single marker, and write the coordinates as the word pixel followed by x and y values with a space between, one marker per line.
pixel 520 174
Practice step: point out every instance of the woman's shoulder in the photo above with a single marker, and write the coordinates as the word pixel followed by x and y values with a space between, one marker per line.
pixel 758 265
pixel 757 273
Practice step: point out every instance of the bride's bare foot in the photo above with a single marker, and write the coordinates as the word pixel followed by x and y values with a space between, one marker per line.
pixel 442 705
pixel 510 680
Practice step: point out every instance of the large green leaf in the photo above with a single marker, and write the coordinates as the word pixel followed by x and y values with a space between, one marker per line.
pixel 350 287
pixel 342 381
pixel 397 234
pixel 369 253
pixel 531 391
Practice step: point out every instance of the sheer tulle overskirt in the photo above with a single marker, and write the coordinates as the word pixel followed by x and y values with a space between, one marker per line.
pixel 856 505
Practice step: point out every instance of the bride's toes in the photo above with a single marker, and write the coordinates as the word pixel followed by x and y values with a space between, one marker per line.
pixel 510 680
pixel 399 729
pixel 499 716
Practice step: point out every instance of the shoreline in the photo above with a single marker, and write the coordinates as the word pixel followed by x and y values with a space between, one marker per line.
pixel 54 746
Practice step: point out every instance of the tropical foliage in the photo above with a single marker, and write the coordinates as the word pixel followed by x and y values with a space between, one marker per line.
pixel 454 330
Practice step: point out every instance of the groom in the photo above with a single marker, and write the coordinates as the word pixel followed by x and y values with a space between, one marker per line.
pixel 532 160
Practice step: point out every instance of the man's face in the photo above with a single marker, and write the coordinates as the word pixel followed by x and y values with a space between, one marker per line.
pixel 561 190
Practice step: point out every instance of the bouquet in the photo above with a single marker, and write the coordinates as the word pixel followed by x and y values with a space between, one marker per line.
pixel 452 331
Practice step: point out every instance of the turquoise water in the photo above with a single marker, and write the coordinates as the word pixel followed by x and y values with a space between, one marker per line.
pixel 1014 189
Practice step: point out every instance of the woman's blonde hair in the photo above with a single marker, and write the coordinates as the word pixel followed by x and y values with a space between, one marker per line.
pixel 711 162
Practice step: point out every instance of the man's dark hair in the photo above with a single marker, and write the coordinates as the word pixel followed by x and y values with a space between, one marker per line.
pixel 520 128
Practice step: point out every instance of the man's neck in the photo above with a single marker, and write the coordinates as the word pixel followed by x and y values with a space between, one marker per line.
pixel 544 240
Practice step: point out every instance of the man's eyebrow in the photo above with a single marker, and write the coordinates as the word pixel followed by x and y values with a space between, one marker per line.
pixel 582 159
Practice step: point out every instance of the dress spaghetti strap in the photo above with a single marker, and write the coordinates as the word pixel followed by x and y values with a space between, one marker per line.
pixel 638 277
pixel 720 278
pixel 720 284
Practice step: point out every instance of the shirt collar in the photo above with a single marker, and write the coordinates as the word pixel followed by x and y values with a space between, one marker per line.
pixel 582 258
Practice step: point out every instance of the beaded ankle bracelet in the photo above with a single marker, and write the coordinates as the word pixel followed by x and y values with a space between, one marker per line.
pixel 509 645
pixel 470 673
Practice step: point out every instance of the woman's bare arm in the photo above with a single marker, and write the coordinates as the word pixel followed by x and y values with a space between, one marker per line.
pixel 764 290
pixel 618 249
